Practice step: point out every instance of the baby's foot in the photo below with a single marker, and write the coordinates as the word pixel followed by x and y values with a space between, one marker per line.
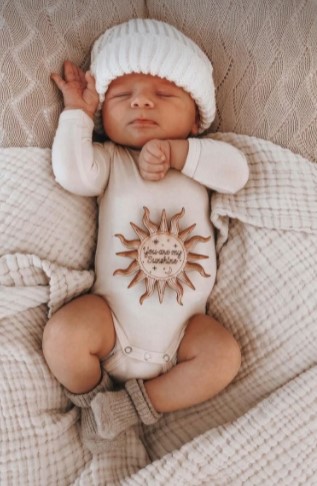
pixel 116 411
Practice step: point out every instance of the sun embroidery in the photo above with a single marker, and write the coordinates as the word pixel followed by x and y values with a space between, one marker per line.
pixel 161 256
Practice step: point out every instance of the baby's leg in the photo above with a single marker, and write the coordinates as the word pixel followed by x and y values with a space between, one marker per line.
pixel 75 339
pixel 208 359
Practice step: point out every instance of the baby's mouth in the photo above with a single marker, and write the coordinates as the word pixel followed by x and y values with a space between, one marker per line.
pixel 143 122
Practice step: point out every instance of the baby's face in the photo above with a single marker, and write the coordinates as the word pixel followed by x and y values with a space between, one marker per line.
pixel 141 107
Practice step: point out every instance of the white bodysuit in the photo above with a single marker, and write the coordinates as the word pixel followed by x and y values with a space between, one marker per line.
pixel 148 333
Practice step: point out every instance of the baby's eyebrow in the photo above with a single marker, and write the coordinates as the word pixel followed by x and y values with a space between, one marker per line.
pixel 119 84
pixel 167 84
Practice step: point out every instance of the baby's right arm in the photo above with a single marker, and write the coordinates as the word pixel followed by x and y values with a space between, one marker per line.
pixel 79 166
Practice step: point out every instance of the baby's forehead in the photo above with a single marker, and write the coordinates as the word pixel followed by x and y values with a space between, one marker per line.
pixel 142 78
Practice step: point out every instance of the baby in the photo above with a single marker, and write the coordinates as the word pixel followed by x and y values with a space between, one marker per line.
pixel 141 343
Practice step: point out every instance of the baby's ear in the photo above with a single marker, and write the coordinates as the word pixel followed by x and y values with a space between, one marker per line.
pixel 195 127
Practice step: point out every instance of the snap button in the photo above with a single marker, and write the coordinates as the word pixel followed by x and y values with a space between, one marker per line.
pixel 147 356
pixel 166 357
pixel 128 349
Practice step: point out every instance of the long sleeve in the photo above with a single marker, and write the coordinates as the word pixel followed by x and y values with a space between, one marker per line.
pixel 80 166
pixel 217 165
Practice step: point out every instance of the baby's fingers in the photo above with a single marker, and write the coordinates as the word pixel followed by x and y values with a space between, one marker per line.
pixel 153 156
pixel 154 153
pixel 153 170
pixel 152 176
pixel 73 72
pixel 58 80
pixel 90 80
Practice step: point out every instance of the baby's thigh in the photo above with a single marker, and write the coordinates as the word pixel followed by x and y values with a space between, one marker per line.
pixel 206 338
pixel 83 326
pixel 75 339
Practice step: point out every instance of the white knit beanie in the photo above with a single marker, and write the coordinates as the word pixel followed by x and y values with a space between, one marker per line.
pixel 153 47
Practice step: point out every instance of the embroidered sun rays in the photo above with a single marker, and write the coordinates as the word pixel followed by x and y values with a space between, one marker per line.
pixel 162 256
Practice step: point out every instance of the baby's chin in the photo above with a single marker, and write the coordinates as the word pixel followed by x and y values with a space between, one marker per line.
pixel 132 146
pixel 136 136
pixel 135 144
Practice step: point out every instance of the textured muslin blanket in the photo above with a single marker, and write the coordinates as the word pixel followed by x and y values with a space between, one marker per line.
pixel 262 429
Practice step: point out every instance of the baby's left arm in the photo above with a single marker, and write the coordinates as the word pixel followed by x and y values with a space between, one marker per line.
pixel 215 164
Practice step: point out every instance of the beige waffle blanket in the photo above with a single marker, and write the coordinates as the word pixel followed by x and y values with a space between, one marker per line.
pixel 262 429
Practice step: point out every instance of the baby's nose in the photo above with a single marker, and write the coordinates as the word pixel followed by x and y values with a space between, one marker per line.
pixel 142 101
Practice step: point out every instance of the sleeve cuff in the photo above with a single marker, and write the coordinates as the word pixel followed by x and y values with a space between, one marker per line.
pixel 193 156
pixel 77 116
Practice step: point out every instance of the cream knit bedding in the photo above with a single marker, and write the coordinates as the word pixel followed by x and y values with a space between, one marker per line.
pixel 263 53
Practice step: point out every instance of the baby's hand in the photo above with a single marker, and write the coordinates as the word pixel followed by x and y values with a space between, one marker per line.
pixel 154 160
pixel 78 89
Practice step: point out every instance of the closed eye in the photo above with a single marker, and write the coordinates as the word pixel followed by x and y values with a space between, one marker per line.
pixel 164 94
pixel 123 94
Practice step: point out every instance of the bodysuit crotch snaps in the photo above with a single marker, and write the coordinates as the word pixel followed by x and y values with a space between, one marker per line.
pixel 128 361
pixel 142 354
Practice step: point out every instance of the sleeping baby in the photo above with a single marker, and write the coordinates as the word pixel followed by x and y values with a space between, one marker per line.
pixel 141 344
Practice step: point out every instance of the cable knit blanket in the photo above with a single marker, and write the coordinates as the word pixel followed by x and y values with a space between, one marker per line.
pixel 262 429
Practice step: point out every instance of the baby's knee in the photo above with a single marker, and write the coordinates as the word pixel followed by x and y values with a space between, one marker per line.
pixel 55 338
pixel 226 349
pixel 67 354
pixel 216 346
pixel 232 354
